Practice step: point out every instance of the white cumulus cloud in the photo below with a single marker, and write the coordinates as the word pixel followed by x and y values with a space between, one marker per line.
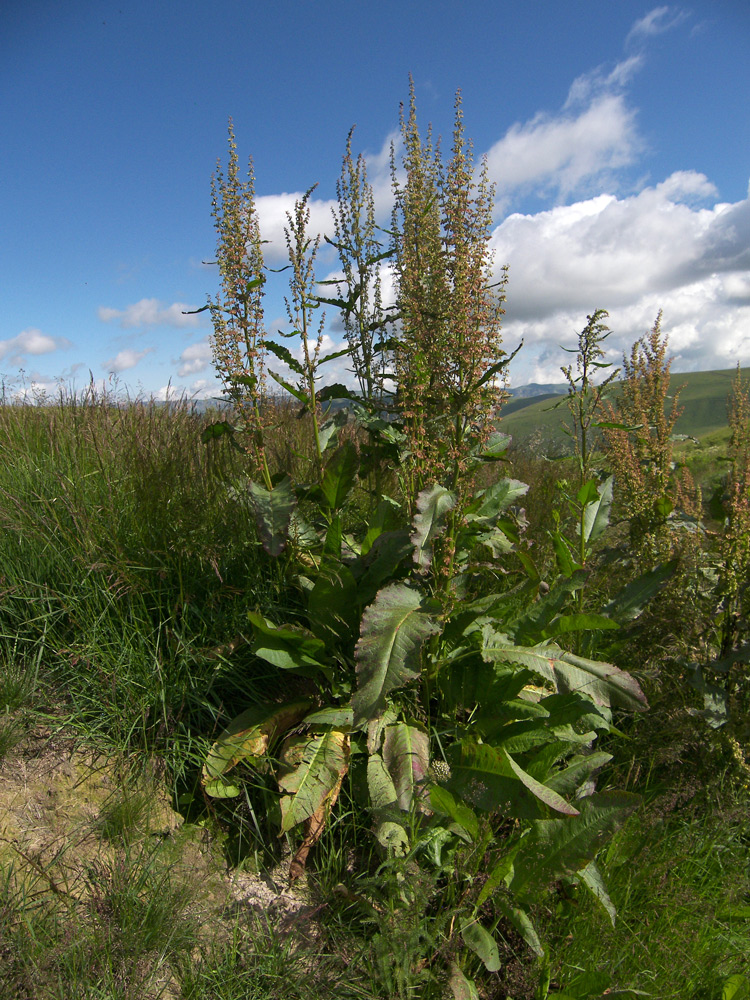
pixel 30 342
pixel 561 153
pixel 195 358
pixel 666 247
pixel 126 359
pixel 149 312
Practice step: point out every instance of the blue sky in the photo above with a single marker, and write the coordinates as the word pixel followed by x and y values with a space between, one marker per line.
pixel 618 135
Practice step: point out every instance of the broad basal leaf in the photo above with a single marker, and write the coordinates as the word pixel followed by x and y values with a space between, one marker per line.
pixel 312 766
pixel 273 512
pixel 332 604
pixel 461 987
pixel 314 826
pixel 429 522
pixel 579 771
pixel 388 551
pixel 249 736
pixel 333 716
pixel 391 636
pixel 380 784
pixel 629 603
pixel 406 754
pixel 604 683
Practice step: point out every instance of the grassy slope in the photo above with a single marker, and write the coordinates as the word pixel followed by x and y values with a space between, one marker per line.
pixel 703 398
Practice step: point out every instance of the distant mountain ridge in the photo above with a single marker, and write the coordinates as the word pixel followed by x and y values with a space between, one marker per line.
pixel 538 389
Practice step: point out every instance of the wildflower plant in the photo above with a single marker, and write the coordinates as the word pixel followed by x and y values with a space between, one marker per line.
pixel 237 312
pixel 448 354
pixel 427 655
pixel 735 539
pixel 639 445
pixel 361 254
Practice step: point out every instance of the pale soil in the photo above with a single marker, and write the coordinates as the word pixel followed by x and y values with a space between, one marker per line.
pixel 55 796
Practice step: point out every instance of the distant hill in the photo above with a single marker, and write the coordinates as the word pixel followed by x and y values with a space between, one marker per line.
pixel 537 389
pixel 536 417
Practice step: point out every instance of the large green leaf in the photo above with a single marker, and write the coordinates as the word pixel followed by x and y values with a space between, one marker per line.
pixel 273 512
pixel 445 803
pixel 328 431
pixel 482 943
pixel 578 771
pixel 502 873
pixel 587 621
pixel 331 716
pixel 591 877
pixel 461 987
pixel 596 513
pixel 429 522
pixel 383 794
pixel 312 767
pixel 387 552
pixel 249 736
pixel 604 683
pixel 290 648
pixel 736 987
pixel 388 652
pixel 558 847
pixel 629 603
pixel 406 754
pixel 521 921
pixel 491 780
pixel 285 355
pixel 530 627
pixel 493 450
pixel 495 499
pixel 332 605
pixel 339 476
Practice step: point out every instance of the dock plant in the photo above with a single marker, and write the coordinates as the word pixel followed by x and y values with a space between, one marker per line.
pixel 434 677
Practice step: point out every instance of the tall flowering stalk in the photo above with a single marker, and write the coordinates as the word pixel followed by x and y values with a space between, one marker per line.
pixel 641 457
pixel 302 250
pixel 360 253
pixel 735 540
pixel 237 311
pixel 448 355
